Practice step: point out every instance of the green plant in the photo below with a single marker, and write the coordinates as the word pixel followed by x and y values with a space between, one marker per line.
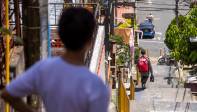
pixel 5 31
pixel 117 39
pixel 193 5
pixel 136 54
pixel 192 15
pixel 123 50
pixel 177 37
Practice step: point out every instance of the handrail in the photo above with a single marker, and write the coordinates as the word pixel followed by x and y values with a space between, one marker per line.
pixel 123 99
pixel 132 89
pixel 138 75
pixel 96 51
pixel 100 60
pixel 7 55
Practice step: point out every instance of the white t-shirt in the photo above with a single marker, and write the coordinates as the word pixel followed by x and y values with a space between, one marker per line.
pixel 63 87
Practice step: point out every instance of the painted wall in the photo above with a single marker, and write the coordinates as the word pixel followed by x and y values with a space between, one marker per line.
pixel 97 63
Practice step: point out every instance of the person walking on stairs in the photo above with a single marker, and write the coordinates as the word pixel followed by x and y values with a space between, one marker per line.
pixel 145 68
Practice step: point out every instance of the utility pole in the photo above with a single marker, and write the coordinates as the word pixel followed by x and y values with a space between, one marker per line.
pixel 134 18
pixel 31 34
pixel 177 12
pixel 17 17
pixel 115 18
pixel 107 25
pixel 112 9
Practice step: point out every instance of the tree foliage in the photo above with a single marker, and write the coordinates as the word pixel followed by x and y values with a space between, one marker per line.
pixel 123 50
pixel 177 37
pixel 5 31
pixel 123 54
pixel 192 15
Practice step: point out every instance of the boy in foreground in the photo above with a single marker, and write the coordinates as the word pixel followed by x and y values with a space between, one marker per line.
pixel 64 83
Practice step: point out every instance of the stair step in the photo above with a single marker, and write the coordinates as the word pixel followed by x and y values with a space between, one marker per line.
pixel 162 100
pixel 163 106
pixel 168 94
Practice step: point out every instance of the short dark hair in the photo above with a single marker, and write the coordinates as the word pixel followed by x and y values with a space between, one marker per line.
pixel 76 27
pixel 143 52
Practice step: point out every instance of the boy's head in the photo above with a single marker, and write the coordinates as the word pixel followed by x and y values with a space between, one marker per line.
pixel 143 52
pixel 76 27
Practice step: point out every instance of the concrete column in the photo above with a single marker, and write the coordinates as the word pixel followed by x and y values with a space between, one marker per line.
pixel 44 28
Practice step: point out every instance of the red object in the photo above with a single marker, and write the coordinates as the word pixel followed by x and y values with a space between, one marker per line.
pixel 57 43
pixel 143 64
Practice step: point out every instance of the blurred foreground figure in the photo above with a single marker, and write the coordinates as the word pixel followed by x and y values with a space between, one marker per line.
pixel 64 83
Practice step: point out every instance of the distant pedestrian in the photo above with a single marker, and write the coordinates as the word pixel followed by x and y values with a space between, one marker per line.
pixel 150 17
pixel 64 83
pixel 145 68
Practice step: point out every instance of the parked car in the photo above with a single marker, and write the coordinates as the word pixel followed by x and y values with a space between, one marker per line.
pixel 147 28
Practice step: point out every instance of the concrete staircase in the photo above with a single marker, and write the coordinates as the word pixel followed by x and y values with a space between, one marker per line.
pixel 161 97
pixel 164 100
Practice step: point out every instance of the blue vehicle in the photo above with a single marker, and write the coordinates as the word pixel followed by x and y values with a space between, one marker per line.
pixel 147 28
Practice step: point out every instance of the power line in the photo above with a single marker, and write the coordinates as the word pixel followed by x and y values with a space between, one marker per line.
pixel 152 10
pixel 164 4
pixel 161 9
pixel 156 8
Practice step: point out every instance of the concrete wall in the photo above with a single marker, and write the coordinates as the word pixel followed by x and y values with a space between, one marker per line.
pixel 97 63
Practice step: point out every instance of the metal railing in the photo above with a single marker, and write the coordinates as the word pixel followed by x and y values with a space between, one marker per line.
pixel 132 89
pixel 123 98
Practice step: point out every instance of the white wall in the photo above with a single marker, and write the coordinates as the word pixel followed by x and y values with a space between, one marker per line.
pixel 97 63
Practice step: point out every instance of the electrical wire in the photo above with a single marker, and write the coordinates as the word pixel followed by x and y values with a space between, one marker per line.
pixel 161 8
pixel 155 10
pixel 164 4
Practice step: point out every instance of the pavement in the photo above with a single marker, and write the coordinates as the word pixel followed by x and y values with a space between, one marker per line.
pixel 160 96
pixel 112 107
pixel 2 106
pixel 113 101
